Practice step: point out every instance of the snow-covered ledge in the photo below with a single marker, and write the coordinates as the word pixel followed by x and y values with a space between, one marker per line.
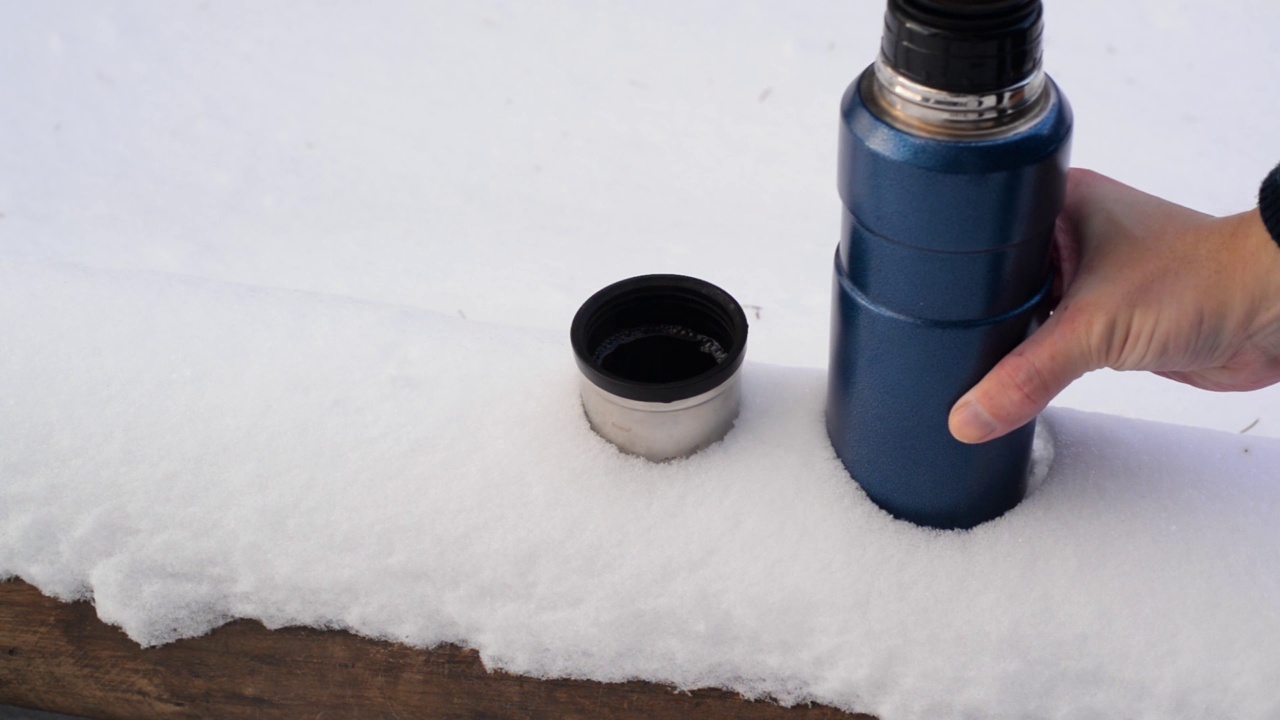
pixel 188 452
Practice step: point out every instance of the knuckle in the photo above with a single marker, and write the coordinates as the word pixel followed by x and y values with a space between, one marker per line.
pixel 1028 382
pixel 1089 332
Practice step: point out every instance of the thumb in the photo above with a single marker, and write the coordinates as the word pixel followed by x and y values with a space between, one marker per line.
pixel 1023 383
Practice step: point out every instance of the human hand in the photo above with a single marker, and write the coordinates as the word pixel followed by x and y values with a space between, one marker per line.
pixel 1145 284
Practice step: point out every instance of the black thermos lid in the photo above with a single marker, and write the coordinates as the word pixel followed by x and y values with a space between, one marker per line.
pixel 963 46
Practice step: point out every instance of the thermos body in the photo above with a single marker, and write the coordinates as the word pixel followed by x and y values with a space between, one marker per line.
pixel 943 268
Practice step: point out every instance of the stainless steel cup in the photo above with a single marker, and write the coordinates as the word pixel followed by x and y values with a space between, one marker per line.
pixel 659 356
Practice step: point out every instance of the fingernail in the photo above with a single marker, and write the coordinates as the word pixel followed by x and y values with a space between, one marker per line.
pixel 970 422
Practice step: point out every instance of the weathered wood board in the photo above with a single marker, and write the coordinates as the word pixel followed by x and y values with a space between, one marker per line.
pixel 60 657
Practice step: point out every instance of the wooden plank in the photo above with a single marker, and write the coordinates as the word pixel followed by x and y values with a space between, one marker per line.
pixel 60 657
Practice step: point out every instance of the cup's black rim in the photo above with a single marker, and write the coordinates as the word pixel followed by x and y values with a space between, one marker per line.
pixel 659 287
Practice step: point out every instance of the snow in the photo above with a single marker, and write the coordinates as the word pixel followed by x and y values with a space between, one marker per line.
pixel 284 299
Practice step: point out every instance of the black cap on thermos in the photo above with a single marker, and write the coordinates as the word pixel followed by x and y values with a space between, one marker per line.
pixel 963 46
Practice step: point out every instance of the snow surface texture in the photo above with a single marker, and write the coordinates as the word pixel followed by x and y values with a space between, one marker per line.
pixel 243 250
pixel 308 460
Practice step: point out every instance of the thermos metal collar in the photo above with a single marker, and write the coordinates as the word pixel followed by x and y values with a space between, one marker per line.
pixel 927 111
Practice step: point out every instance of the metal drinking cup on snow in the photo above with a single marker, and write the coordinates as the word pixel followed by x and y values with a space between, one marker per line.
pixel 659 356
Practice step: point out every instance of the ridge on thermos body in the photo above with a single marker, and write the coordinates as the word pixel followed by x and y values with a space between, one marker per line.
pixel 953 158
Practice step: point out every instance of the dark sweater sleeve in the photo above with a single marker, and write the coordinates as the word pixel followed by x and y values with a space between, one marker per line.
pixel 1269 203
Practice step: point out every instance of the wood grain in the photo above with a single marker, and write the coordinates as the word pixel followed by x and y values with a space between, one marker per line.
pixel 60 657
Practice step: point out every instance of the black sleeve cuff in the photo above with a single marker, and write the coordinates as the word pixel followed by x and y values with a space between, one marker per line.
pixel 1269 203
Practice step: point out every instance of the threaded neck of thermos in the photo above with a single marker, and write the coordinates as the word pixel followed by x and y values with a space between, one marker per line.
pixel 963 46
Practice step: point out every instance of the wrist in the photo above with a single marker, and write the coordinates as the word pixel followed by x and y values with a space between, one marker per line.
pixel 1264 260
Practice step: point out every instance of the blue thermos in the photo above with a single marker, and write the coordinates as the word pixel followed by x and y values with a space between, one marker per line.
pixel 952 170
